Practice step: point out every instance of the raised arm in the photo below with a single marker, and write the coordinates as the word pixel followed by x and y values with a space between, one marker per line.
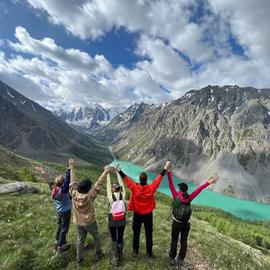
pixel 49 181
pixel 99 184
pixel 120 182
pixel 196 192
pixel 65 186
pixel 73 182
pixel 130 183
pixel 171 185
pixel 109 187
pixel 157 181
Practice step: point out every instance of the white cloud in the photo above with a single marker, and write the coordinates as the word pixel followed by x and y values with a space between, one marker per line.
pixel 164 19
pixel 165 65
pixel 47 49
pixel 74 76
pixel 250 23
pixel 177 53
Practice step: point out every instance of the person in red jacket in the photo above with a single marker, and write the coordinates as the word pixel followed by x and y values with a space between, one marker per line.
pixel 142 203
pixel 181 226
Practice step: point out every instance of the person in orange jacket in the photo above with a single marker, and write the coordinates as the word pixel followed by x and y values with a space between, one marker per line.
pixel 142 203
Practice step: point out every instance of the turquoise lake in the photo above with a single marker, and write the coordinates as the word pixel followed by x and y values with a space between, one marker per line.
pixel 241 208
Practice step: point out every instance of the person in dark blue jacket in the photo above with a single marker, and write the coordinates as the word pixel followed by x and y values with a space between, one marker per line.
pixel 62 201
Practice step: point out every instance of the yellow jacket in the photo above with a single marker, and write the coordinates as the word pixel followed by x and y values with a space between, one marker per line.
pixel 83 204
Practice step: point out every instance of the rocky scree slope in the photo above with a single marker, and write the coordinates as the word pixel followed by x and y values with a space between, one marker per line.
pixel 214 129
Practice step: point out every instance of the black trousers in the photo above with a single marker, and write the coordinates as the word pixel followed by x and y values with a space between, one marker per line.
pixel 177 229
pixel 63 222
pixel 117 234
pixel 147 220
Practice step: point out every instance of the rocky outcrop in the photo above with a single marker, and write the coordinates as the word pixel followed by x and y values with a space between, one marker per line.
pixel 17 187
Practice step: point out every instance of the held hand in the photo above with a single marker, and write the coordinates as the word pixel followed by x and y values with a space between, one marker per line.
pixel 39 169
pixel 71 163
pixel 213 179
pixel 106 169
pixel 117 168
pixel 167 165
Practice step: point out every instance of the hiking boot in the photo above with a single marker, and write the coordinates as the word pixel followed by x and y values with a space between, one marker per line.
pixel 114 254
pixel 180 263
pixel 63 248
pixel 135 253
pixel 150 256
pixel 171 260
pixel 99 255
pixel 55 247
pixel 55 244
pixel 80 261
pixel 120 248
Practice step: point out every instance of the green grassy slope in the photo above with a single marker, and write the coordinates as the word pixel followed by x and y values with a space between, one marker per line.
pixel 28 224
pixel 13 166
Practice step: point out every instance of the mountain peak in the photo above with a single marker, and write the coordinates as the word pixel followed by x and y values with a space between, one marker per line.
pixel 86 118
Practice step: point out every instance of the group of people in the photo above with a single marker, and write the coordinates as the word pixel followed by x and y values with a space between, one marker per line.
pixel 68 194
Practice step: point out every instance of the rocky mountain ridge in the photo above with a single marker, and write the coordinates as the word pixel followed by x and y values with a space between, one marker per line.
pixel 214 129
pixel 87 119
pixel 31 130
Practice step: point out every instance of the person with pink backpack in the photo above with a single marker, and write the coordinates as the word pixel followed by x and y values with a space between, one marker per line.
pixel 116 218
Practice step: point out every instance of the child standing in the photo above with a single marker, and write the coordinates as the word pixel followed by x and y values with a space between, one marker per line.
pixel 62 202
pixel 61 197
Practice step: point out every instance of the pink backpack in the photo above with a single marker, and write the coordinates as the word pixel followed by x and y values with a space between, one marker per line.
pixel 118 208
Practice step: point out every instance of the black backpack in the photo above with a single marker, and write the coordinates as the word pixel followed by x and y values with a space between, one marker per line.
pixel 181 211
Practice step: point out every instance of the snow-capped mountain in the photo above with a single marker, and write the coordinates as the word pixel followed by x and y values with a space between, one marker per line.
pixel 87 118
pixel 31 130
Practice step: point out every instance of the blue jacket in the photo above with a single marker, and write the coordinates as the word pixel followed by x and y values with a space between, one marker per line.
pixel 61 195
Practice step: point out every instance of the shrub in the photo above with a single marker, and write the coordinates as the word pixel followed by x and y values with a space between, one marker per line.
pixel 27 175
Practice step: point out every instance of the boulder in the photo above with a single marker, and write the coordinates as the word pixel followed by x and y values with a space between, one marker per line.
pixel 17 187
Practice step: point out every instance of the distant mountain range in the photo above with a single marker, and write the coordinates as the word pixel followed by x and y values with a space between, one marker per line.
pixel 214 129
pixel 87 119
pixel 224 130
pixel 31 130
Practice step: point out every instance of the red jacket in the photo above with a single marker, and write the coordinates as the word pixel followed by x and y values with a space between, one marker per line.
pixel 142 199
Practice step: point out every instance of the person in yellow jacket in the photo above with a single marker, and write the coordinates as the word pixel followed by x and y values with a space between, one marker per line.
pixel 83 197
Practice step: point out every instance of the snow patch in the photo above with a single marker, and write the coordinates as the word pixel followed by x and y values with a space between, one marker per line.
pixel 10 94
pixel 33 107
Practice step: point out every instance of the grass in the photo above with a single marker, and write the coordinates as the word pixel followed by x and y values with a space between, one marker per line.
pixel 28 223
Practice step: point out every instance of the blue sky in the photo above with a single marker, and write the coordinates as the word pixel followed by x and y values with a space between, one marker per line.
pixel 119 52
pixel 117 45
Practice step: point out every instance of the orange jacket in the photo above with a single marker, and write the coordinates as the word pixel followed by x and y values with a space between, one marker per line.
pixel 142 199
